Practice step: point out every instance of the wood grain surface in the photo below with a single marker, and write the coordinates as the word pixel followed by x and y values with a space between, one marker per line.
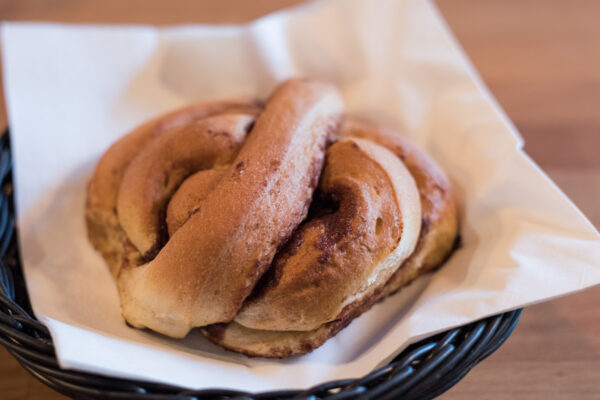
pixel 541 59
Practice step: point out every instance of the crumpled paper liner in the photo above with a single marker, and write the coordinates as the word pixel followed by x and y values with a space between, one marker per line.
pixel 73 90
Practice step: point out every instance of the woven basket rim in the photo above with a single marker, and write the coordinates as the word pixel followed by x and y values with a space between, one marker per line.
pixel 423 370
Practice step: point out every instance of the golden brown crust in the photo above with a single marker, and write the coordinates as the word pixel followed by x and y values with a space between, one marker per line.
pixel 104 230
pixel 210 265
pixel 158 170
pixel 187 199
pixel 345 255
pixel 189 212
pixel 440 222
pixel 436 239
pixel 281 344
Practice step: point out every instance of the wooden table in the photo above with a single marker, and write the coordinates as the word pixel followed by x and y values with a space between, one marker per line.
pixel 541 58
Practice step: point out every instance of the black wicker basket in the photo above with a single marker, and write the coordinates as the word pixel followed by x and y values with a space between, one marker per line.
pixel 422 371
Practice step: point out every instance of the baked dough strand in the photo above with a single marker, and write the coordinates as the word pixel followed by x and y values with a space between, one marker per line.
pixel 269 226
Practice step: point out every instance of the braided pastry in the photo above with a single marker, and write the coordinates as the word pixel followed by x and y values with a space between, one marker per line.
pixel 269 226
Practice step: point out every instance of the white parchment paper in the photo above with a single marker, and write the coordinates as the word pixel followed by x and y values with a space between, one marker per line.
pixel 73 90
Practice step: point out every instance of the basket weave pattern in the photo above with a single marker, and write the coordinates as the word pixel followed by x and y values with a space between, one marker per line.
pixel 422 371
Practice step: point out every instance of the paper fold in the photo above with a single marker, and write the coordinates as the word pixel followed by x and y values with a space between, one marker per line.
pixel 73 90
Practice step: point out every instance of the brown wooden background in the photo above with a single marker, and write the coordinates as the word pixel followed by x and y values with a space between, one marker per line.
pixel 541 59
